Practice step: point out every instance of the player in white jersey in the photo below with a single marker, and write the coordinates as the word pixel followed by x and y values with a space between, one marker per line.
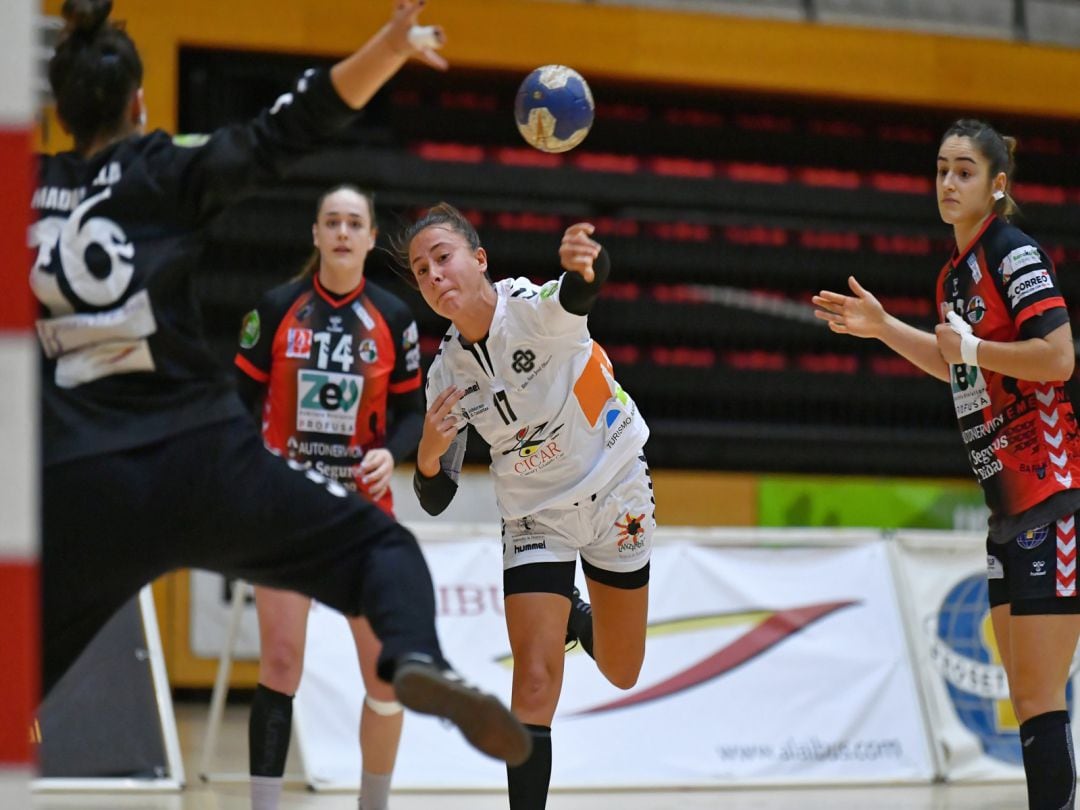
pixel 566 441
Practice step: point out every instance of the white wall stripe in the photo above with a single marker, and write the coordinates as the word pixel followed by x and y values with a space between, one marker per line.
pixel 17 48
pixel 18 446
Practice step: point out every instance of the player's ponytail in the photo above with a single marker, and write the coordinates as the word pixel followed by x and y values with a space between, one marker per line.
pixel 86 17
pixel 94 72
pixel 1007 207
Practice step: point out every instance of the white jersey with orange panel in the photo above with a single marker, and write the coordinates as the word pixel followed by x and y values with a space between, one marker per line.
pixel 543 394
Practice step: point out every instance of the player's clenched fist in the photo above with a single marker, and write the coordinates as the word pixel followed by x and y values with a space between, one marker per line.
pixel 578 251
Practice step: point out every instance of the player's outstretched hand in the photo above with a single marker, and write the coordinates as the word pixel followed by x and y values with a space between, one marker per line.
pixel 860 315
pixel 578 250
pixel 420 41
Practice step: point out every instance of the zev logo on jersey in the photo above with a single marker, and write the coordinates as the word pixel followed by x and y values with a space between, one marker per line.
pixel 327 402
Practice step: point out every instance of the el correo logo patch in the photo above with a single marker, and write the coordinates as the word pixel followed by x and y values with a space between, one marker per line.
pixel 1029 284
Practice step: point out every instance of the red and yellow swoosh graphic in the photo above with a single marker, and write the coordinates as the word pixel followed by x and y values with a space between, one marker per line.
pixel 770 628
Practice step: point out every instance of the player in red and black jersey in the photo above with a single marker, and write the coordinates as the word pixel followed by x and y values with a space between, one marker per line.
pixel 332 363
pixel 150 462
pixel 334 359
pixel 1019 433
pixel 1005 347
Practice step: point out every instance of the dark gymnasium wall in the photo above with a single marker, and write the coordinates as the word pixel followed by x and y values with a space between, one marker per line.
pixel 722 212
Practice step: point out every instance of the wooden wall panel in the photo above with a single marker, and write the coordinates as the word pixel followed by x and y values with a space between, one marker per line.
pixel 636 44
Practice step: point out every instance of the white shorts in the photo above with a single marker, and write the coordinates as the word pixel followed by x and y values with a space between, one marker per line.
pixel 612 530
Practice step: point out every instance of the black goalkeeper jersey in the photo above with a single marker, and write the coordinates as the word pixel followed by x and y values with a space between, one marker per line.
pixel 117 237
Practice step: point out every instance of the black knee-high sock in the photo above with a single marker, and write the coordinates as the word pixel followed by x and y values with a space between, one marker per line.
pixel 581 624
pixel 529 781
pixel 269 729
pixel 1048 761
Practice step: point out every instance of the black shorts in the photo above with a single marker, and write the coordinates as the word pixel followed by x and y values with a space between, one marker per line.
pixel 558 578
pixel 215 498
pixel 1035 572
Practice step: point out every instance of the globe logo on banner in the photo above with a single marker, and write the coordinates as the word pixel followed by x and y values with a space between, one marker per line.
pixel 966 655
pixel 964 652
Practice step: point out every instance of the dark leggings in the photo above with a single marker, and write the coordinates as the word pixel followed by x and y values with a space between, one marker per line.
pixel 215 498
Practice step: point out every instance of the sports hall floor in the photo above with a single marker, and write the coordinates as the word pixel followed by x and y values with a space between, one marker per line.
pixel 233 796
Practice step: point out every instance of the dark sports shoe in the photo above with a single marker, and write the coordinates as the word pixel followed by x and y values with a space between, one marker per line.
pixel 427 688
pixel 579 628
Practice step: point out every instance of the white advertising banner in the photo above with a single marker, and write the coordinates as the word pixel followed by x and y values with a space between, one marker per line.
pixel 210 605
pixel 944 593
pixel 767 665
pixel 211 594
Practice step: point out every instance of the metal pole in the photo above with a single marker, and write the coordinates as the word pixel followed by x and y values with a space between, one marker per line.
pixel 221 683
pixel 1020 24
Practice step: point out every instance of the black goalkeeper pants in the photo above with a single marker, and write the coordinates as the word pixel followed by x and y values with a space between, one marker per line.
pixel 215 498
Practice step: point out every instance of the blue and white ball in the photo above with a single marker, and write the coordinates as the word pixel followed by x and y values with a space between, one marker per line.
pixel 554 108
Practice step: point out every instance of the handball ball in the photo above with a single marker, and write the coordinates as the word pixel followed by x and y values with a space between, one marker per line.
pixel 554 108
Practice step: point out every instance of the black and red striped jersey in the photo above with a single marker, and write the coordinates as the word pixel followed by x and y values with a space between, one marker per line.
pixel 1020 435
pixel 117 237
pixel 330 365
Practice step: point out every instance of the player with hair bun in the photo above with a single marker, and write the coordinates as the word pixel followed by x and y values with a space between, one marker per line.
pixel 151 462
